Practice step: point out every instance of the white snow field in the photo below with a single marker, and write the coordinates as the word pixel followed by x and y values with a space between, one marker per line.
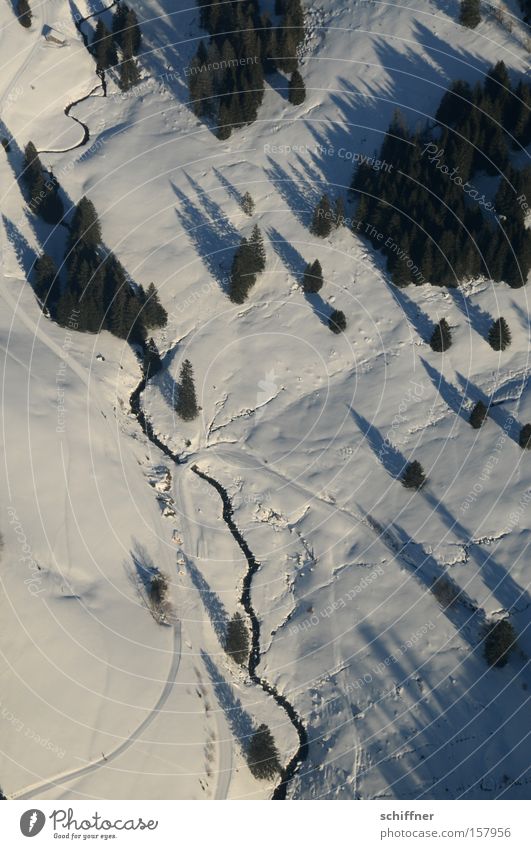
pixel 306 431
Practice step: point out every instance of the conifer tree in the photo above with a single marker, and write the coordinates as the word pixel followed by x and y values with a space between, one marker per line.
pixel 500 641
pixel 470 13
pixel 524 439
pixel 153 313
pixel 312 282
pixel 262 754
pixel 499 337
pixel 129 73
pixel 247 204
pixel 186 406
pixel 478 415
pixel 85 226
pixel 243 272
pixel 297 89
pixel 323 218
pixel 414 476
pixel 237 640
pixel 152 362
pixel 103 47
pixel 441 338
pixel 337 321
pixel 256 244
pixel 24 13
pixel 339 212
pixel 46 280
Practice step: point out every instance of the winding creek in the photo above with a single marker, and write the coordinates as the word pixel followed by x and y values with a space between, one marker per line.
pixel 253 565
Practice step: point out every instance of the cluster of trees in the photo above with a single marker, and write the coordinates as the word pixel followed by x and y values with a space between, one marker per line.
pixel 437 225
pixel 97 294
pixel 262 754
pixel 24 13
pixel 126 37
pixel 237 640
pixel 226 76
pixel 498 337
pixel 470 13
pixel 42 188
pixel 186 405
pixel 249 260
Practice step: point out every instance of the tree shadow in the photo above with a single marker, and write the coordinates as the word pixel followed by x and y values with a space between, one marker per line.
pixel 413 313
pixel 478 319
pixel 231 190
pixel 24 253
pixel 321 309
pixel 299 197
pixel 292 259
pixel 211 602
pixel 215 245
pixel 389 456
pixel 239 720
pixel 279 84
pixel 448 392
pixel 503 419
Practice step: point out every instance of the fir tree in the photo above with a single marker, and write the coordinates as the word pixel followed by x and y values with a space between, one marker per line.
pixel 499 336
pixel 323 218
pixel 339 212
pixel 524 440
pixel 297 89
pixel 247 204
pixel 129 73
pixel 500 641
pixel 478 415
pixel 32 173
pixel 153 313
pixel 85 228
pixel 46 280
pixel 103 47
pixel 312 282
pixel 151 363
pixel 186 406
pixel 414 476
pixel 237 640
pixel 256 245
pixel 337 322
pixel 126 30
pixel 243 272
pixel 470 13
pixel 24 13
pixel 441 338
pixel 262 754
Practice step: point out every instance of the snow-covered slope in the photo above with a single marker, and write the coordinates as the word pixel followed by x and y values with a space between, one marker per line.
pixel 304 429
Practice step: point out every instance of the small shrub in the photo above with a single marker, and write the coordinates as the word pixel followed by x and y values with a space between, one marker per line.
pixel 445 591
pixel 6 145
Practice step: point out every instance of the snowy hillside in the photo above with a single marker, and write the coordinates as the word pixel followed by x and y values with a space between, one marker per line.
pixel 307 433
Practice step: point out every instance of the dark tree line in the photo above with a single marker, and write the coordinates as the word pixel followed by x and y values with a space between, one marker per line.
pixel 426 214
pixel 125 37
pixel 226 75
pixel 97 294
